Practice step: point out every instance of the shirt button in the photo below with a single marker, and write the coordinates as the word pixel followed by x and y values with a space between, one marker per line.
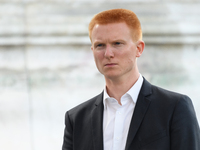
pixel 117 138
pixel 119 112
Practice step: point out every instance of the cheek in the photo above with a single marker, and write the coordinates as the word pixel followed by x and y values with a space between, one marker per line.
pixel 98 59
pixel 128 62
pixel 98 56
pixel 130 58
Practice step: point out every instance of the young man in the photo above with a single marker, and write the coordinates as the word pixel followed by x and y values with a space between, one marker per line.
pixel 130 114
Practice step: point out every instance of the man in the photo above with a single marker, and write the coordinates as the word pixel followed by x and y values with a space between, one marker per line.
pixel 130 114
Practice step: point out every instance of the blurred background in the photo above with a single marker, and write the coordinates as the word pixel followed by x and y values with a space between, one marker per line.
pixel 47 67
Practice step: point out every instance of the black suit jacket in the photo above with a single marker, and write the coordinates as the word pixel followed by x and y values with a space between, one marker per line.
pixel 162 120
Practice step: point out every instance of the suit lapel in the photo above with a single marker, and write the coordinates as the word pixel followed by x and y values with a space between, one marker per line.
pixel 97 123
pixel 140 110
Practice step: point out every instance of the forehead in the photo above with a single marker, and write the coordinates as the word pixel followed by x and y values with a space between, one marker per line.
pixel 110 29
pixel 109 26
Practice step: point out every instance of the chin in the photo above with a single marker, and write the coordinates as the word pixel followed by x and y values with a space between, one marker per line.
pixel 111 76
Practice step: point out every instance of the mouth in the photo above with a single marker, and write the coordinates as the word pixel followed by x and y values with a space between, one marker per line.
pixel 110 64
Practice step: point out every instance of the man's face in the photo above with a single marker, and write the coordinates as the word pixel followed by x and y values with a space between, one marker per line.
pixel 114 50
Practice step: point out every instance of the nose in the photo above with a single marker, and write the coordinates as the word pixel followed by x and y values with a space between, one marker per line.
pixel 109 52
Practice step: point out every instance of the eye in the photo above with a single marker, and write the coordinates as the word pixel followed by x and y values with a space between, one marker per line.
pixel 99 45
pixel 117 43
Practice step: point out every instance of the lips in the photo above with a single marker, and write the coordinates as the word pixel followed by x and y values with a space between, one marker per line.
pixel 110 64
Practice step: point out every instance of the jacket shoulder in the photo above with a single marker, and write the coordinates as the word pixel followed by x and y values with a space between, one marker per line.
pixel 167 94
pixel 156 93
pixel 86 106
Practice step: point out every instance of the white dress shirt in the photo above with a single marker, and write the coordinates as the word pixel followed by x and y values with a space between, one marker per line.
pixel 117 118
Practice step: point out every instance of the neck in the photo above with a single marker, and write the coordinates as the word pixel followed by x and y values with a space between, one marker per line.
pixel 116 88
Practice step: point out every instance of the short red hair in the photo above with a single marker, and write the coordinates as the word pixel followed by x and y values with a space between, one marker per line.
pixel 118 16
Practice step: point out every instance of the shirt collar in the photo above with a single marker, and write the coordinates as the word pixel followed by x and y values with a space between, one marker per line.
pixel 133 91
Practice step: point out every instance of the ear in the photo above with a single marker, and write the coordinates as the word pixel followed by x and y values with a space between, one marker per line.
pixel 91 48
pixel 140 47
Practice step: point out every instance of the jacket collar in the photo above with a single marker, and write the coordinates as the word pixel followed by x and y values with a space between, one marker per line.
pixel 141 108
pixel 97 123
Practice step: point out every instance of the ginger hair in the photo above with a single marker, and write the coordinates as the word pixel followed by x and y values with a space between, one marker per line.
pixel 118 16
